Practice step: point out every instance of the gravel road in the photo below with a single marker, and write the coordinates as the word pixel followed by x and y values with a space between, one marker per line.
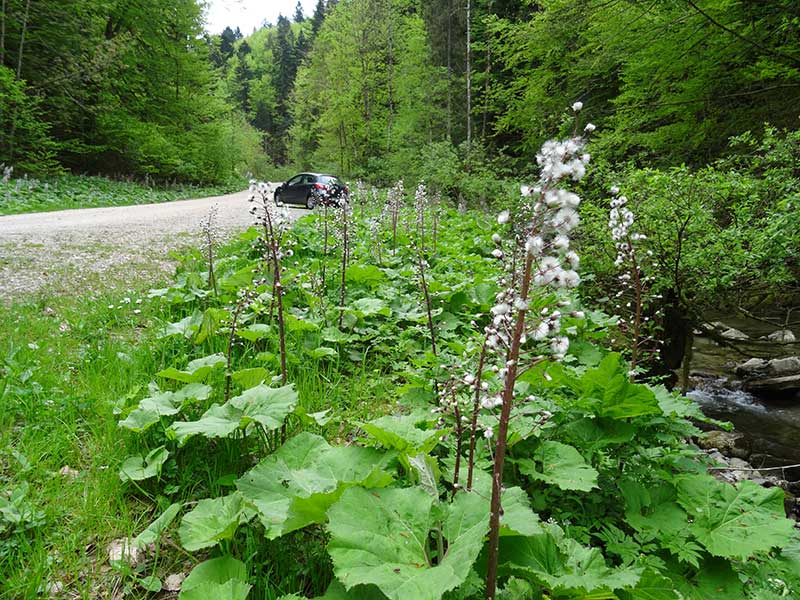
pixel 61 252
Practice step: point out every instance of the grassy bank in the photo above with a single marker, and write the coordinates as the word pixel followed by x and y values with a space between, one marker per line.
pixel 283 420
pixel 24 195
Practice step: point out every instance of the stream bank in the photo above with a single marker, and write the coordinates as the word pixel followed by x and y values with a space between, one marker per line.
pixel 766 424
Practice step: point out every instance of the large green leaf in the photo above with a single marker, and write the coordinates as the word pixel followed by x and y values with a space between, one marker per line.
pixel 221 578
pixel 153 531
pixel 734 522
pixel 369 275
pixel 186 327
pixel 196 371
pixel 401 433
pixel 367 307
pixel 561 465
pixel 136 468
pixel 562 564
pixel 715 580
pixel 212 520
pixel 613 395
pixel 261 404
pixel 217 422
pixel 248 378
pixel 336 591
pixel 163 404
pixel 651 586
pixel 380 537
pixel 254 332
pixel 296 485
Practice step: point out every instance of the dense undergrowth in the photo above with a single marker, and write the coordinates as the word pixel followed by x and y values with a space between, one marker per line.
pixel 344 477
pixel 23 195
pixel 316 411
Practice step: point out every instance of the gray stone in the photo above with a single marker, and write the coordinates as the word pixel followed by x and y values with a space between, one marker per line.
pixel 781 367
pixel 734 334
pixel 782 335
pixel 773 384
pixel 754 366
pixel 729 443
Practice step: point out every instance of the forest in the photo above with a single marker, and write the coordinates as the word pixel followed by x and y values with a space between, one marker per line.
pixel 478 378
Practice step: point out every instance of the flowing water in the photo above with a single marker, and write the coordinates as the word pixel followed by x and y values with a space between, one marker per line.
pixel 771 424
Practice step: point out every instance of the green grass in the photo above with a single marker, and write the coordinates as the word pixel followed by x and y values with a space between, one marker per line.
pixel 65 362
pixel 81 191
pixel 62 363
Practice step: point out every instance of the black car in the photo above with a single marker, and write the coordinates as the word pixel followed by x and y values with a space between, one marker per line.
pixel 310 189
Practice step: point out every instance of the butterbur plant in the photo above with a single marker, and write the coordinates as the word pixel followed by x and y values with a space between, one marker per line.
pixel 420 208
pixel 344 222
pixel 527 313
pixel 274 225
pixel 208 227
pixel 244 298
pixel 394 202
pixel 633 283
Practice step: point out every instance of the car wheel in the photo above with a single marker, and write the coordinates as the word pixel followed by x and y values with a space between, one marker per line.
pixel 278 201
pixel 311 201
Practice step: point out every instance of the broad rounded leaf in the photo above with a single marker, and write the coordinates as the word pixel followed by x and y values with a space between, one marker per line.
pixel 561 465
pixel 136 468
pixel 401 433
pixel 379 537
pixel 254 332
pixel 248 378
pixel 221 578
pixel 651 586
pixel 163 404
pixel 262 404
pixel 367 307
pixel 296 485
pixel 734 522
pixel 609 388
pixel 153 531
pixel 197 370
pixel 212 520
pixel 563 564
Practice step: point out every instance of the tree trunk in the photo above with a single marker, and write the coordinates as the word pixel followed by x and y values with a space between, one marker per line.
pixel 2 33
pixel 390 82
pixel 449 70
pixel 22 38
pixel 469 78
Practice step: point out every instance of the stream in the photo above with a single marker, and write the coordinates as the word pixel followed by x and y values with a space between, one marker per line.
pixel 771 424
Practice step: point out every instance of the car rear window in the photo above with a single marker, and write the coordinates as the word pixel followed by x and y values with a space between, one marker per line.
pixel 330 179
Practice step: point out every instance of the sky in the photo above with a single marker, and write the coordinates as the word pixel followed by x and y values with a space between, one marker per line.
pixel 249 14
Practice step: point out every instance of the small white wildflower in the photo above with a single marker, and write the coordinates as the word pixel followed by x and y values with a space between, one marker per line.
pixel 577 106
pixel 501 309
pixel 559 345
pixel 541 332
pixel 488 433
pixel 497 253
pixel 503 217
pixel 496 238
pixel 590 127
pixel 534 245
pixel 525 190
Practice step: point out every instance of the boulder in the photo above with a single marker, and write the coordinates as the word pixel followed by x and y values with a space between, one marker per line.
pixel 734 334
pixel 774 384
pixel 782 335
pixel 782 367
pixel 729 443
pixel 752 367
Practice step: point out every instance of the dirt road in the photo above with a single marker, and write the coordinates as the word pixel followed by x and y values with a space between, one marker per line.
pixel 46 254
